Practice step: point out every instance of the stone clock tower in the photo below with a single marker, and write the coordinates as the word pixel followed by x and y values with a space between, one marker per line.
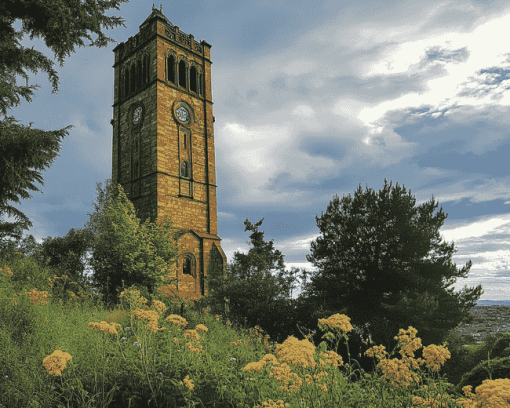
pixel 163 142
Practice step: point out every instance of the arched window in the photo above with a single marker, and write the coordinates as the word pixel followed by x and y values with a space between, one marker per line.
pixel 182 74
pixel 139 84
pixel 148 60
pixel 144 70
pixel 193 79
pixel 126 83
pixel 132 77
pixel 171 68
pixel 184 169
pixel 188 265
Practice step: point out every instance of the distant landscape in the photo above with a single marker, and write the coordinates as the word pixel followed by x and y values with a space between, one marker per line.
pixel 493 303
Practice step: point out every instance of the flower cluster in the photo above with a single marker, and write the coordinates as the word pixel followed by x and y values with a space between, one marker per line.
pixel 56 362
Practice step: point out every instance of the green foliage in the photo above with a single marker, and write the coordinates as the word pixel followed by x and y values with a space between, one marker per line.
pixel 36 271
pixel 22 149
pixel 17 322
pixel 136 367
pixel 381 262
pixel 27 246
pixel 472 358
pixel 459 362
pixel 126 252
pixel 29 274
pixel 495 368
pixel 61 25
pixel 255 296
pixel 498 346
pixel 139 366
pixel 64 256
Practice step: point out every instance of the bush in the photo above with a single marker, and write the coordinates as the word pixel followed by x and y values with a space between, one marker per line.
pixel 500 368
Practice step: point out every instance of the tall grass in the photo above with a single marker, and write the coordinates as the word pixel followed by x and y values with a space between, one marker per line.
pixel 146 355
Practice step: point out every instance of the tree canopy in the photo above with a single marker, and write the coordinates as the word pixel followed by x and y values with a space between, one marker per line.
pixel 61 24
pixel 64 256
pixel 124 249
pixel 381 261
pixel 256 297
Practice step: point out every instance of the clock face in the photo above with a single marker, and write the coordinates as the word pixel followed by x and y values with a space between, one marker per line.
pixel 137 115
pixel 182 114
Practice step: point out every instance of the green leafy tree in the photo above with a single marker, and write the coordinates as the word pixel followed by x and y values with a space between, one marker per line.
pixel 27 246
pixel 67 254
pixel 256 297
pixel 62 26
pixel 126 252
pixel 380 261
pixel 21 149
pixel 64 257
pixel 120 248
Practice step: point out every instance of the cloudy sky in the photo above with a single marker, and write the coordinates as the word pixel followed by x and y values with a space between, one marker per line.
pixel 310 100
